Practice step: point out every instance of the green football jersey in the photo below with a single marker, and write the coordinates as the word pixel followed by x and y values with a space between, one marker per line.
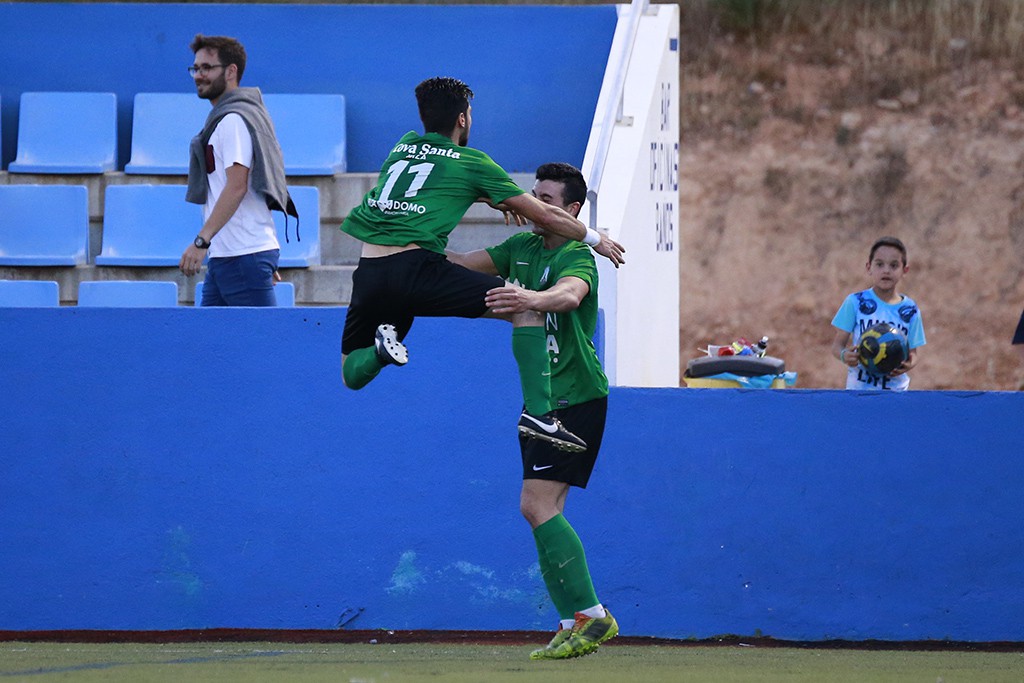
pixel 424 189
pixel 576 374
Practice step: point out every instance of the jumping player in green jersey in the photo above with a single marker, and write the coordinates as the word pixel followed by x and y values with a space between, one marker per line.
pixel 558 277
pixel 425 186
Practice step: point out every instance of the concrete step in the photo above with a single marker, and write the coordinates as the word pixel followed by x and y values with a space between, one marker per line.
pixel 314 286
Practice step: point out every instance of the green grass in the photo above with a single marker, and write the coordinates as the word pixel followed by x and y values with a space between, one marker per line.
pixel 383 663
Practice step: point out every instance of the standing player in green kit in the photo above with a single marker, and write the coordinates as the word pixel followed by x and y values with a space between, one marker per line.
pixel 425 186
pixel 558 277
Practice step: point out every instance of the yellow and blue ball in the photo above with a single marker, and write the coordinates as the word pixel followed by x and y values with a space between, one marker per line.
pixel 882 349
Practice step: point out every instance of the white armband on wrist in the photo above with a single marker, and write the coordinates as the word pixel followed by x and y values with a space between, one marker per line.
pixel 592 238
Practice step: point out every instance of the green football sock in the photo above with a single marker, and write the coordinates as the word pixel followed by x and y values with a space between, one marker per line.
pixel 555 590
pixel 567 566
pixel 529 346
pixel 361 366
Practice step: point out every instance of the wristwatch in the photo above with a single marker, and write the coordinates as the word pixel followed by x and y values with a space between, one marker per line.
pixel 201 243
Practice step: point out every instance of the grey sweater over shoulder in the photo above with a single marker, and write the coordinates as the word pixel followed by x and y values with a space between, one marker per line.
pixel 267 173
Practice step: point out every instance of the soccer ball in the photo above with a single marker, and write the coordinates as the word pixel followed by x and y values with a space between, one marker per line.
pixel 882 349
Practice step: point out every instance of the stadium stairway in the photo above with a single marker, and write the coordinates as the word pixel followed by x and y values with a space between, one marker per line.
pixel 328 284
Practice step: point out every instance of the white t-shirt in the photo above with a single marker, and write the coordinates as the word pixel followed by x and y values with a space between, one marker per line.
pixel 862 310
pixel 251 228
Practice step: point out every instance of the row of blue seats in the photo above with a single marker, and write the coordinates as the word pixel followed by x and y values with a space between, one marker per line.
pixel 76 132
pixel 111 293
pixel 143 225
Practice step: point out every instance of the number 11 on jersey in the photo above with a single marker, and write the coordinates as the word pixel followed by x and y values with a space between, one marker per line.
pixel 420 171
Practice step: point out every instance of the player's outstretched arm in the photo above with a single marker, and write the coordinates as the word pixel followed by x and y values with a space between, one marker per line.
pixel 510 215
pixel 610 249
pixel 560 222
pixel 565 295
pixel 478 260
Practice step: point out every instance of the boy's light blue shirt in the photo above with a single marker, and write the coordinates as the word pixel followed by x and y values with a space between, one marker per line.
pixel 862 310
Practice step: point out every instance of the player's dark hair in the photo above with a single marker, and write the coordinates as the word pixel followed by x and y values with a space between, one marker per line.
pixel 888 242
pixel 229 50
pixel 570 177
pixel 441 100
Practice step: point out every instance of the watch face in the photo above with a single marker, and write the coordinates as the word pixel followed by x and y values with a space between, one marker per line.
pixel 201 243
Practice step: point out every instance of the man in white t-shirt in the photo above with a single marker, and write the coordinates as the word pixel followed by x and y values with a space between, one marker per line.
pixel 238 229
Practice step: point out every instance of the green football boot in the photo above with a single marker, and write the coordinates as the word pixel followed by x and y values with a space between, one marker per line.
pixel 584 637
pixel 546 652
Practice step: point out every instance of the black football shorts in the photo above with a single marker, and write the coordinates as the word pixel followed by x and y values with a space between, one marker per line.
pixel 395 289
pixel 541 460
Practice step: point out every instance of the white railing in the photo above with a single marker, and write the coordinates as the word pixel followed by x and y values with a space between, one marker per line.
pixel 634 133
pixel 613 105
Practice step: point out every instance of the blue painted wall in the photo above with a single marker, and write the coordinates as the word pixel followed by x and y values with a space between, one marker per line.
pixel 190 468
pixel 536 70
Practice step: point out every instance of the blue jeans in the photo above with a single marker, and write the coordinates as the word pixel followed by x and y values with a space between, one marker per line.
pixel 246 280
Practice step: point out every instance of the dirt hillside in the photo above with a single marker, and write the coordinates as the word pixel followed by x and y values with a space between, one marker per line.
pixel 792 165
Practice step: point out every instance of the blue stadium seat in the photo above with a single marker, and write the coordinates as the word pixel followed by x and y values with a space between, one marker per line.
pixel 147 225
pixel 312 132
pixel 29 293
pixel 44 225
pixel 163 124
pixel 304 253
pixel 285 292
pixel 66 132
pixel 128 293
pixel 310 128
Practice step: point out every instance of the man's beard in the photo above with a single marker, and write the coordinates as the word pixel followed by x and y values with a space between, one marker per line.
pixel 214 90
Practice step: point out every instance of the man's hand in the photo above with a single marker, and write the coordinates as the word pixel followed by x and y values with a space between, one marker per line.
pixel 510 215
pixel 509 299
pixel 611 250
pixel 513 217
pixel 191 260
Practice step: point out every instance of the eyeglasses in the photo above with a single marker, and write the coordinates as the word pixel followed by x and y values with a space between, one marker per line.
pixel 202 69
